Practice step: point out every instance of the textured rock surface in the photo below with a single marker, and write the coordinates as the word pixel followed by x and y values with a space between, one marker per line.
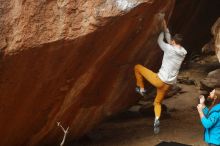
pixel 211 82
pixel 216 34
pixel 214 44
pixel 71 61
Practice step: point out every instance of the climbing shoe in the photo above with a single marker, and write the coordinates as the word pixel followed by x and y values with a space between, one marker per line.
pixel 142 93
pixel 156 126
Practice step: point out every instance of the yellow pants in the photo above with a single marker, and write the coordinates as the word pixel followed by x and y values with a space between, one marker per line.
pixel 162 88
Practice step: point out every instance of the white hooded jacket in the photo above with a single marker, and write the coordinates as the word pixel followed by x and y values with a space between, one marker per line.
pixel 172 59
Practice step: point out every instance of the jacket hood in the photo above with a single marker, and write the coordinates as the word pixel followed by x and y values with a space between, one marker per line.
pixel 181 51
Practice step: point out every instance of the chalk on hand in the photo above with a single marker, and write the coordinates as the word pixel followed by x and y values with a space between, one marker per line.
pixel 161 15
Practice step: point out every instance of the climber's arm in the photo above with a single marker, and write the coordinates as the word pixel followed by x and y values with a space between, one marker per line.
pixel 167 32
pixel 164 46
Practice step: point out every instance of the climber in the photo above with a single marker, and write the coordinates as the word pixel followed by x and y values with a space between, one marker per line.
pixel 173 57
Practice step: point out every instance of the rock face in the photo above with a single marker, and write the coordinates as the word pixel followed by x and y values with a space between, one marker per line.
pixel 214 44
pixel 216 34
pixel 71 61
pixel 212 81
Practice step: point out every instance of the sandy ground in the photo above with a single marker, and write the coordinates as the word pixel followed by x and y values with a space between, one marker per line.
pixel 181 124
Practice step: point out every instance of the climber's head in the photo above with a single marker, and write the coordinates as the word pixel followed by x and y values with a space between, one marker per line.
pixel 214 94
pixel 215 97
pixel 177 39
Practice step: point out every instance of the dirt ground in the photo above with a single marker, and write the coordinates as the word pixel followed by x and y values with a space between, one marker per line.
pixel 181 124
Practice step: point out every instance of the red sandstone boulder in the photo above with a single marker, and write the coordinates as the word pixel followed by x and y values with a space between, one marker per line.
pixel 71 61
